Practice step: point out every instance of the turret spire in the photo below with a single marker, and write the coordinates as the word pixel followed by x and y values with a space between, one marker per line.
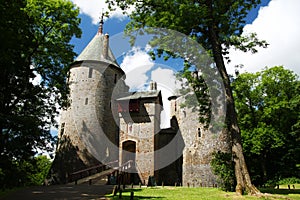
pixel 100 29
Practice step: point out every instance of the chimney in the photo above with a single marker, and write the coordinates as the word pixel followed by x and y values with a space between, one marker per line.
pixel 105 46
pixel 153 86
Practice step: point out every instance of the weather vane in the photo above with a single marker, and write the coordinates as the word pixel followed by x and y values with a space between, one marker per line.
pixel 100 30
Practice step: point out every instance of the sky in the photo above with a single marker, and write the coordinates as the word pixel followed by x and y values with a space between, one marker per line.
pixel 276 21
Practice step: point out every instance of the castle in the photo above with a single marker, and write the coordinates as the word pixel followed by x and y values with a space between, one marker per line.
pixel 107 123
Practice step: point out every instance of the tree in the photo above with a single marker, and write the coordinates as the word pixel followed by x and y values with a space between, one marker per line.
pixel 267 103
pixel 33 171
pixel 216 25
pixel 35 37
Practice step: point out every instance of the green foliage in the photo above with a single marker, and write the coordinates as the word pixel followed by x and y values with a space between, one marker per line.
pixel 291 180
pixel 223 167
pixel 35 35
pixel 268 109
pixel 40 170
pixel 26 172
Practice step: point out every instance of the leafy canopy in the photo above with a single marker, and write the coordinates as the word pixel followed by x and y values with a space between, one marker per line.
pixel 268 109
pixel 35 56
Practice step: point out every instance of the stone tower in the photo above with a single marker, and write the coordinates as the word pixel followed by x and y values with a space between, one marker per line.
pixel 88 133
pixel 199 144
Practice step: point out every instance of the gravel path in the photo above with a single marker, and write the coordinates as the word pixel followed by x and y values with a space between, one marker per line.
pixel 60 192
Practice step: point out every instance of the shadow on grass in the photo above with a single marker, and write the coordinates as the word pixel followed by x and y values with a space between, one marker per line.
pixel 280 191
pixel 126 197
pixel 127 193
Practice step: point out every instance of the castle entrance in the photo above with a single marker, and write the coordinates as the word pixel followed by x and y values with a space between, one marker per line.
pixel 129 150
pixel 128 154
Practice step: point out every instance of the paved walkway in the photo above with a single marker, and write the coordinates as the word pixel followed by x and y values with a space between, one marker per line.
pixel 61 192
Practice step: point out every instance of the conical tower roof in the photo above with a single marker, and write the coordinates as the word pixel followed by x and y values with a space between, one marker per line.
pixel 94 51
pixel 98 49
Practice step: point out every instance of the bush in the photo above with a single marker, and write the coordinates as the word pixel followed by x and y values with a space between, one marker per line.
pixel 223 167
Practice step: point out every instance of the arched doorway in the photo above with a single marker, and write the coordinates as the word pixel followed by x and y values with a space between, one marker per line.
pixel 128 154
pixel 129 150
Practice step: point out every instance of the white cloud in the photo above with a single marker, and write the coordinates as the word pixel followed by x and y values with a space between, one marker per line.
pixel 278 24
pixel 93 8
pixel 136 64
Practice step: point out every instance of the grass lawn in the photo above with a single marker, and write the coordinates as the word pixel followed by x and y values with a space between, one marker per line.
pixel 173 193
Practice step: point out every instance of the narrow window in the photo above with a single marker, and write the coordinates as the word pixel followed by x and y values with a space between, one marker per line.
pixel 86 101
pixel 175 105
pixel 199 132
pixel 90 72
pixel 62 129
pixel 116 77
pixel 130 127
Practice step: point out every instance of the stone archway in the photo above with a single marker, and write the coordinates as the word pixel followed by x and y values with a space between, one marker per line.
pixel 128 151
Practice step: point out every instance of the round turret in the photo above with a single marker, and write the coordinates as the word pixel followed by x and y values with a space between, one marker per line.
pixel 88 133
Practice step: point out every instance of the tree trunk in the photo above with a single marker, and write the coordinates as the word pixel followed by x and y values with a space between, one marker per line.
pixel 241 171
